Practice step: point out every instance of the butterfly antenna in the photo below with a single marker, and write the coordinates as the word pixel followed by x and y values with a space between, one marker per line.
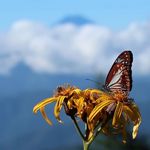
pixel 94 81
pixel 103 86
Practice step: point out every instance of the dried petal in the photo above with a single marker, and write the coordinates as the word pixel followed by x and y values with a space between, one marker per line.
pixel 43 103
pixel 58 107
pixel 42 110
pixel 117 114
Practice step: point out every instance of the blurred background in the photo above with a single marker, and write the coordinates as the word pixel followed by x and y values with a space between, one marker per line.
pixel 45 43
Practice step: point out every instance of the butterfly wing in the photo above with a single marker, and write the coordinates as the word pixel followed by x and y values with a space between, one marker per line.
pixel 120 74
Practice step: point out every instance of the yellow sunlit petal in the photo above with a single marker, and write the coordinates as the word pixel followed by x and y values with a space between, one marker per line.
pixel 135 130
pixel 43 103
pixel 117 113
pixel 42 110
pixel 87 90
pixel 104 97
pixel 77 91
pixel 58 107
pixel 135 117
pixel 80 103
pixel 96 91
pixel 138 122
pixel 136 111
pixel 98 108
pixel 90 135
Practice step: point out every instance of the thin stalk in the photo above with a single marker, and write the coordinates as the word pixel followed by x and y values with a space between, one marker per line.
pixel 78 128
pixel 97 132
pixel 87 143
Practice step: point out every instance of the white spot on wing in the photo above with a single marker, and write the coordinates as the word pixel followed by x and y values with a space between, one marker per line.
pixel 119 60
pixel 116 77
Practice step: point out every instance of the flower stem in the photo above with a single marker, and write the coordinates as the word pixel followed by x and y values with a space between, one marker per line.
pixel 87 142
pixel 86 145
pixel 78 129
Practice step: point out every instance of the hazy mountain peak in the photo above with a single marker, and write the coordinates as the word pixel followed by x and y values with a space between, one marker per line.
pixel 21 68
pixel 76 19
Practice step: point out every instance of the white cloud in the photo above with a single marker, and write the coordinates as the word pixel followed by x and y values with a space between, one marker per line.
pixel 68 48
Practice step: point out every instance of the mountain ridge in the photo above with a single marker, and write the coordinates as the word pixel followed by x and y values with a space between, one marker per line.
pixel 76 19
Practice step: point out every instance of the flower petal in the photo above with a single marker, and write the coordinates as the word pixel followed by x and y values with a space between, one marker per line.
pixel 58 107
pixel 123 123
pixel 43 103
pixel 42 110
pixel 77 91
pixel 117 113
pixel 103 97
pixel 79 104
pixel 96 114
pixel 136 126
pixel 134 114
pixel 98 108
pixel 97 91
pixel 95 94
pixel 136 111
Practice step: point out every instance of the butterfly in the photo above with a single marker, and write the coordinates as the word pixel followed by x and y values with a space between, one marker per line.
pixel 119 77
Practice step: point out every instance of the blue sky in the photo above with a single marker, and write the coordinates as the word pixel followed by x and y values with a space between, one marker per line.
pixel 114 14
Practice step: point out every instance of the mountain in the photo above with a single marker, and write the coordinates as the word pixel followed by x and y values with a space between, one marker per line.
pixel 76 19
pixel 23 79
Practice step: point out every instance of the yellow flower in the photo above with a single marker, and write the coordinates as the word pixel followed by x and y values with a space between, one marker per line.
pixel 118 108
pixel 111 111
pixel 61 96
pixel 76 102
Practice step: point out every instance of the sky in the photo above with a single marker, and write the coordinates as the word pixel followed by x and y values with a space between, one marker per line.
pixel 29 34
pixel 115 14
